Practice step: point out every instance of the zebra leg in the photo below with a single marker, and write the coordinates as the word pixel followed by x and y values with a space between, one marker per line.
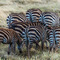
pixel 20 51
pixel 28 50
pixel 9 49
pixel 37 45
pixel 20 45
pixel 55 48
pixel 51 47
pixel 42 45
pixel 14 47
pixel 30 46
pixel 46 45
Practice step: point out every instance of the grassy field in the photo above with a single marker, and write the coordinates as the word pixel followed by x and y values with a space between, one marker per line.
pixel 8 6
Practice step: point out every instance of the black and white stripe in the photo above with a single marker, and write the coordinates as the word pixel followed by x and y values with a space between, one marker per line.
pixel 54 37
pixel 33 14
pixel 49 19
pixel 20 28
pixel 32 35
pixel 9 36
pixel 15 17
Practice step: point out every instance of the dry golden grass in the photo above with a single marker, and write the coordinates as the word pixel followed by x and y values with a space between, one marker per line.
pixel 8 6
pixel 35 54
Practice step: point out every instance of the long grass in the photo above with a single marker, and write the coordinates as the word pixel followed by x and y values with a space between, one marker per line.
pixel 8 6
pixel 34 54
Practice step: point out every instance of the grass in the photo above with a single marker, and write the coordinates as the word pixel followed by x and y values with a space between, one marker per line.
pixel 8 6
pixel 35 54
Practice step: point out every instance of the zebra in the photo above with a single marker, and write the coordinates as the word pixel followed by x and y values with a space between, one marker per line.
pixel 54 38
pixel 34 34
pixel 20 28
pixel 9 36
pixel 16 17
pixel 33 14
pixel 49 19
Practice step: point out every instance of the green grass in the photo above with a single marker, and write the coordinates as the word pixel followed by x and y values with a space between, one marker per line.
pixel 8 6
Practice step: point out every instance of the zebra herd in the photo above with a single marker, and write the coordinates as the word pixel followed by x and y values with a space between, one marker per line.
pixel 31 28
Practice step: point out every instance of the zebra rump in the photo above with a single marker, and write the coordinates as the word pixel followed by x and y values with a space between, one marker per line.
pixel 49 19
pixel 16 17
pixel 54 38
pixel 9 36
pixel 31 35
pixel 33 14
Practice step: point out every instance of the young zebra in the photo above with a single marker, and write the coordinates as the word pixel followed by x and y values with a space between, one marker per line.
pixel 33 14
pixel 54 38
pixel 49 19
pixel 9 36
pixel 20 28
pixel 16 17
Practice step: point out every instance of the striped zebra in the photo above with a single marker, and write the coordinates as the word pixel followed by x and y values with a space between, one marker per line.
pixel 34 34
pixel 33 14
pixel 21 27
pixel 16 17
pixel 49 19
pixel 54 38
pixel 9 36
